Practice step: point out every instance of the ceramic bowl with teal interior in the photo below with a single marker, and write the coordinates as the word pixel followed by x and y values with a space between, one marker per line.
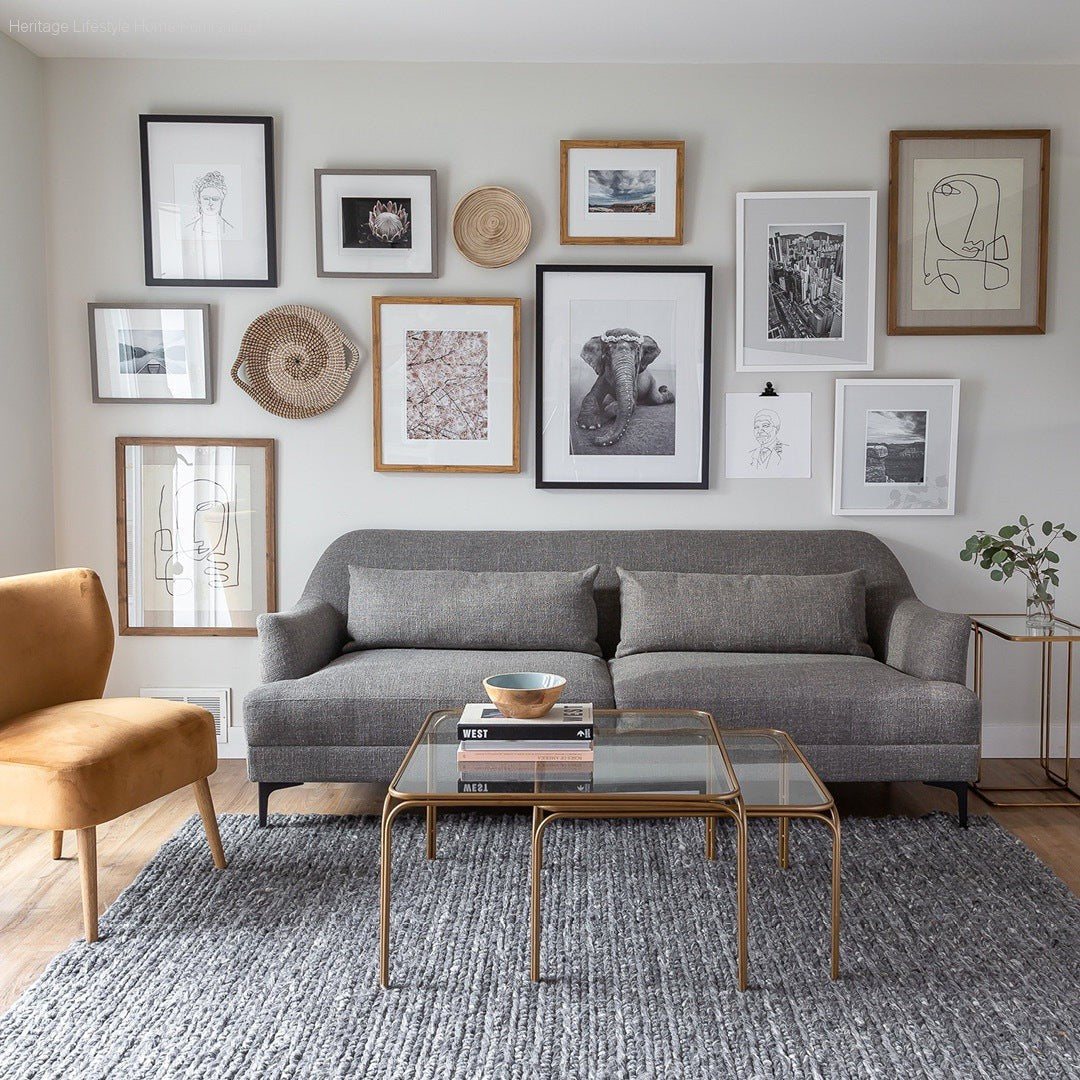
pixel 524 695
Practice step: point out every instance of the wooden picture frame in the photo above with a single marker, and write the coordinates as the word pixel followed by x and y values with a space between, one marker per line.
pixel 410 446
pixel 129 561
pixel 1013 196
pixel 612 152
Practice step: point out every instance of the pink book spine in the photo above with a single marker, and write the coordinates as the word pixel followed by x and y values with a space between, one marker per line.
pixel 585 754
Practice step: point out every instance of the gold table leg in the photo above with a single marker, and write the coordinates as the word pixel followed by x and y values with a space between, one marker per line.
pixel 539 821
pixel 741 865
pixel 390 811
pixel 431 827
pixel 834 961
pixel 782 844
pixel 710 839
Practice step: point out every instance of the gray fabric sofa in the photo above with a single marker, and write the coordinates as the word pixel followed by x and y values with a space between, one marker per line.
pixel 324 714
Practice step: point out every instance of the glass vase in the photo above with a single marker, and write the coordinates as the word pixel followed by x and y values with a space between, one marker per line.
pixel 1040 607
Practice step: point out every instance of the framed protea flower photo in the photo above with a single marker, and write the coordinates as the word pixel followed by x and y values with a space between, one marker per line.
pixel 375 223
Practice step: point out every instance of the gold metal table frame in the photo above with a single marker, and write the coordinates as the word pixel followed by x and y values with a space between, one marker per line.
pixel 1063 632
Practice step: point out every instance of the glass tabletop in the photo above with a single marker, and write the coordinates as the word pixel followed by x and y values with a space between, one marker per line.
pixel 771 771
pixel 1015 628
pixel 651 755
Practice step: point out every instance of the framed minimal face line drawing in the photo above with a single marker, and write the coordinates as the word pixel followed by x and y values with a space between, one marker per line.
pixel 767 438
pixel 208 200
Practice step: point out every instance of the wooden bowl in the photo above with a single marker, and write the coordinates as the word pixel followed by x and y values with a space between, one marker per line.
pixel 524 695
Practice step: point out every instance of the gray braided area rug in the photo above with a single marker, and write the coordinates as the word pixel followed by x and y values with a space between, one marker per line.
pixel 960 958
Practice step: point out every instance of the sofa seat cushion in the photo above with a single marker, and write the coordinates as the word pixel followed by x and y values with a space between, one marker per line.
pixel 378 697
pixel 817 699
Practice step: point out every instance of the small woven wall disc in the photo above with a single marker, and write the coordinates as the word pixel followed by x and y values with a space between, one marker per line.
pixel 297 361
pixel 491 226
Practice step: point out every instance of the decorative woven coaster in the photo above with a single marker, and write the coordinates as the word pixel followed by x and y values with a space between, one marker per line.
pixel 297 361
pixel 491 226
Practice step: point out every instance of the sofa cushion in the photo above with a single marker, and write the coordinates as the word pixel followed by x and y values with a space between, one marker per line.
pixel 752 613
pixel 817 699
pixel 379 697
pixel 456 609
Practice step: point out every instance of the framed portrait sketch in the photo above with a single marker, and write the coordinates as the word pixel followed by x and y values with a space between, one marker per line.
pixel 622 376
pixel 767 437
pixel 895 446
pixel 805 280
pixel 375 223
pixel 194 535
pixel 968 214
pixel 208 200
pixel 153 353
pixel 446 373
pixel 619 192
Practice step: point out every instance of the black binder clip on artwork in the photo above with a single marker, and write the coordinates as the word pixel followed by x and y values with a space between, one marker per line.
pixel 769 391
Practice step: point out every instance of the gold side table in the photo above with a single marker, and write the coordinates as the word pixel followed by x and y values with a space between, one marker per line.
pixel 1014 628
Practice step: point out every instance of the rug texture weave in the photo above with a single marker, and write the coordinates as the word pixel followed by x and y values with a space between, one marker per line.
pixel 960 958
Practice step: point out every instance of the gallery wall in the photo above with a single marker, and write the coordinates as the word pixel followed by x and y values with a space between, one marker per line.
pixel 747 128
pixel 26 535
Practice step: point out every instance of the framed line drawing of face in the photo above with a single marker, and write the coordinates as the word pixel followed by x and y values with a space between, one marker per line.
pixel 195 535
pixel 968 231
pixel 150 353
pixel 767 438
pixel 376 223
pixel 208 200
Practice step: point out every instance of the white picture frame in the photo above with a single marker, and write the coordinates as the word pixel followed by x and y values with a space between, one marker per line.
pixel 810 334
pixel 768 437
pixel 914 423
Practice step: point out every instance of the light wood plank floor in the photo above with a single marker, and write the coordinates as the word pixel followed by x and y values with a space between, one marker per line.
pixel 39 898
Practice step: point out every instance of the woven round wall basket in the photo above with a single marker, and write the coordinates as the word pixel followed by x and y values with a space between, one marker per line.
pixel 297 361
pixel 491 226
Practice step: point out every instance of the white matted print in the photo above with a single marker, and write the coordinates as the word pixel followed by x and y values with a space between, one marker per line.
pixel 805 280
pixel 895 446
pixel 150 353
pixel 767 437
pixel 446 373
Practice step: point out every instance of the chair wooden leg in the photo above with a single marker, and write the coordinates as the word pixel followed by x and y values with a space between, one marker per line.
pixel 57 844
pixel 87 840
pixel 209 820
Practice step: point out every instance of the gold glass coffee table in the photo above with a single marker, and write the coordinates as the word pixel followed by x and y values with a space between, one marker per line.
pixel 647 763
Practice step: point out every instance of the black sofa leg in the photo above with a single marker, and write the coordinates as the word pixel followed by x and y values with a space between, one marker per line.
pixel 960 789
pixel 265 791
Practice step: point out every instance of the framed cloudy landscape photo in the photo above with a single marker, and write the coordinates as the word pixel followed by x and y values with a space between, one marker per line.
pixel 208 200
pixel 622 376
pixel 446 374
pixel 895 446
pixel 767 437
pixel 195 535
pixel 150 353
pixel 376 223
pixel 621 192
pixel 805 280
pixel 968 228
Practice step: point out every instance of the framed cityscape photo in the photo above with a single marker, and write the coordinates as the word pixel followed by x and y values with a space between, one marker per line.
pixel 208 200
pixel 446 376
pixel 150 353
pixel 767 437
pixel 194 535
pixel 968 232
pixel 622 376
pixel 805 280
pixel 895 446
pixel 375 223
pixel 620 192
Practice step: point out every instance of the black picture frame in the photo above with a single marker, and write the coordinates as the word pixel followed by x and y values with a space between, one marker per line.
pixel 267 124
pixel 705 272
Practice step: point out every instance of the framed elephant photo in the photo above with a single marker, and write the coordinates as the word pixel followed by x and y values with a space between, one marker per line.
pixel 622 376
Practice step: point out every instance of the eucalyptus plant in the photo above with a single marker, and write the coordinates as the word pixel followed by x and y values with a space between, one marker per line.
pixel 1015 549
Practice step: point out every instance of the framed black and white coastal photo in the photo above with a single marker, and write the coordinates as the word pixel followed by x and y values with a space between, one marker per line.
pixel 150 353
pixel 376 223
pixel 767 437
pixel 622 376
pixel 208 200
pixel 895 446
pixel 805 280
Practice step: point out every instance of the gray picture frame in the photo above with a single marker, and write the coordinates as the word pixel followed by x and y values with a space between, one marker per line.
pixel 320 252
pixel 98 398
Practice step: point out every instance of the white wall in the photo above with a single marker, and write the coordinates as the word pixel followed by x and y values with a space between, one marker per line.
pixel 26 520
pixel 746 128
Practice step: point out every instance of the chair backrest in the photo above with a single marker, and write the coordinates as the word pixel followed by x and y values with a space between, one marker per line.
pixel 56 640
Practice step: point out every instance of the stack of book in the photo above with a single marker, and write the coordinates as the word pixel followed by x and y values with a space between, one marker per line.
pixel 498 753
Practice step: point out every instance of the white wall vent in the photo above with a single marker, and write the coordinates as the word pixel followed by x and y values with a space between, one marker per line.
pixel 216 700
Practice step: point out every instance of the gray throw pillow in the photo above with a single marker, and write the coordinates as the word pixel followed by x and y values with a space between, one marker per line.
pixel 456 609
pixel 762 613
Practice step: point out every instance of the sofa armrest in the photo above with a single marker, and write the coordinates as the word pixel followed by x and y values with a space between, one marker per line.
pixel 927 643
pixel 296 643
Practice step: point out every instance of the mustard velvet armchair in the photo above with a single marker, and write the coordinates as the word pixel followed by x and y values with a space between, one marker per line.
pixel 69 759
